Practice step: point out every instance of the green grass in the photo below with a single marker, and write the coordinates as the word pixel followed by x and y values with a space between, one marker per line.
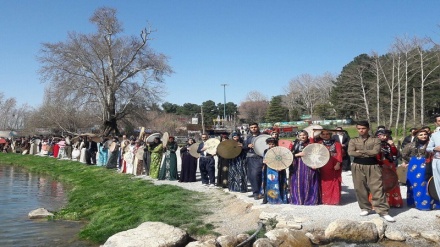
pixel 111 202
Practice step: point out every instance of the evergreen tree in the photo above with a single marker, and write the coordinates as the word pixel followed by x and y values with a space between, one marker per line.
pixel 276 112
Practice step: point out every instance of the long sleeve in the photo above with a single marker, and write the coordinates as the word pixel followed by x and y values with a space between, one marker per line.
pixel 406 153
pixel 172 147
pixel 357 147
pixel 158 149
pixel 199 149
pixel 183 150
pixel 352 149
pixel 435 140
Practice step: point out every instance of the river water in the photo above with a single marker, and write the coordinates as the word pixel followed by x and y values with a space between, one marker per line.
pixel 22 192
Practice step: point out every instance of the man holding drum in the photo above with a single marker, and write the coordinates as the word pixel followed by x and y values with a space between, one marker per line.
pixel 367 173
pixel 206 164
pixel 254 162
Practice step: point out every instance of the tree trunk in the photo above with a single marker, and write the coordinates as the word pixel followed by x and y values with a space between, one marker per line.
pixel 422 120
pixel 364 96
pixel 399 95
pixel 405 94
pixel 110 121
pixel 377 90
pixel 110 127
pixel 414 106
pixel 392 93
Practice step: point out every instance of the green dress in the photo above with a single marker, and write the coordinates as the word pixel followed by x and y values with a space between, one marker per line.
pixel 169 165
pixel 156 158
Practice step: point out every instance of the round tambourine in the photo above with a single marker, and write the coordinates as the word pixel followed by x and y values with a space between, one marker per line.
pixel 228 149
pixel 313 130
pixel 315 155
pixel 211 145
pixel 278 158
pixel 260 144
pixel 150 138
pixel 193 150
pixel 140 153
pixel 432 190
pixel 164 139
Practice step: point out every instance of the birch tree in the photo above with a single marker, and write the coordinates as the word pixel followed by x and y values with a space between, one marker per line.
pixel 353 88
pixel 425 58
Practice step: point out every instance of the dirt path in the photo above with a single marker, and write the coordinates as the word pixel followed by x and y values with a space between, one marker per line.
pixel 231 216
pixel 234 213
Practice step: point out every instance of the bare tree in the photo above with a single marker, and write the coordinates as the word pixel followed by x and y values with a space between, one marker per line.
pixel 425 58
pixel 254 108
pixel 390 82
pixel 255 96
pixel 376 64
pixel 115 73
pixel 66 115
pixel 305 91
pixel 13 116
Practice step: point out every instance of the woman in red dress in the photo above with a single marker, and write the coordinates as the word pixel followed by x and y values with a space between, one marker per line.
pixel 386 158
pixel 56 149
pixel 331 178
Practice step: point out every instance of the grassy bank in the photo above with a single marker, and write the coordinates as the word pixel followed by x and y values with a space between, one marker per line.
pixel 111 202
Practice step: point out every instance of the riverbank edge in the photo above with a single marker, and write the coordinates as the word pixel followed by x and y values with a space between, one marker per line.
pixel 110 202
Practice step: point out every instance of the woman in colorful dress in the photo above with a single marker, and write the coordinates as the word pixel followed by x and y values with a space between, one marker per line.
pixel 417 159
pixel 330 173
pixel 222 168
pixel 124 155
pixel 237 178
pixel 156 150
pixel 138 161
pixel 129 156
pixel 56 149
pixel 386 158
pixel 304 181
pixel 169 165
pixel 274 182
pixel 147 160
pixel 113 153
pixel 102 153
pixel 82 148
pixel 189 163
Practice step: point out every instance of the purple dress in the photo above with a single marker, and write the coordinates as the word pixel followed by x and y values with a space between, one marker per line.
pixel 304 181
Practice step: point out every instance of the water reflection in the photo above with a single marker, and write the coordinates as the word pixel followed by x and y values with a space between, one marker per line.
pixel 22 192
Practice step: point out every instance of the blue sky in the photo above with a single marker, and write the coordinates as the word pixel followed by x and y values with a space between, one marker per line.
pixel 249 45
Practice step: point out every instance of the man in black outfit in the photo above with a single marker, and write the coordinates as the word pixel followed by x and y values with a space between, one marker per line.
pixel 91 149
pixel 408 139
pixel 206 164
pixel 254 162
pixel 342 137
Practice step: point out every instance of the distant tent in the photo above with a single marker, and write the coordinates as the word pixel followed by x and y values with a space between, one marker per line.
pixel 7 133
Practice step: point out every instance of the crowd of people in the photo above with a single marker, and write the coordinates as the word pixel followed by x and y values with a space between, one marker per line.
pixel 370 159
